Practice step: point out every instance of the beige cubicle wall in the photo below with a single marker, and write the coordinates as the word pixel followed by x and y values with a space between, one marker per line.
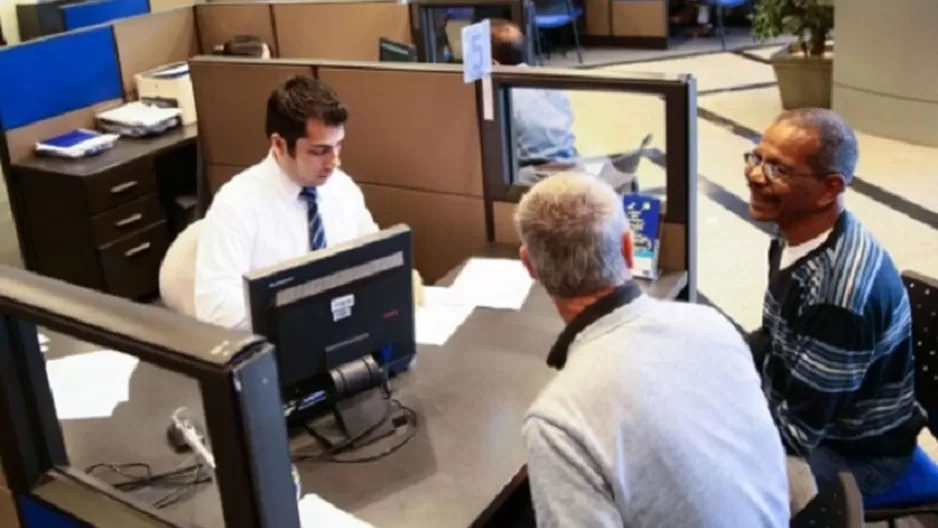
pixel 639 23
pixel 149 41
pixel 340 30
pixel 218 23
pixel 413 146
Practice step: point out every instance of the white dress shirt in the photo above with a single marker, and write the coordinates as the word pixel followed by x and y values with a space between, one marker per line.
pixel 257 220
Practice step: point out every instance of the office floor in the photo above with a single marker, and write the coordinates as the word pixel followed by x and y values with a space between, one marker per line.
pixel 894 194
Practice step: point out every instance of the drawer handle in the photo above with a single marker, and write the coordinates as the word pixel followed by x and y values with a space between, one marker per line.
pixel 132 219
pixel 126 186
pixel 136 250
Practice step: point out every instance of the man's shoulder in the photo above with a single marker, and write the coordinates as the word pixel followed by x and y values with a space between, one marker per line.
pixel 240 192
pixel 854 273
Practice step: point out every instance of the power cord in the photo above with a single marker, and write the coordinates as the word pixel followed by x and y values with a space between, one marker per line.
pixel 331 451
pixel 182 481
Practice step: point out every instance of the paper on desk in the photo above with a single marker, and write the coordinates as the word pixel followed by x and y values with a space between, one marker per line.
pixel 440 316
pixel 90 385
pixel 318 513
pixel 43 342
pixel 493 283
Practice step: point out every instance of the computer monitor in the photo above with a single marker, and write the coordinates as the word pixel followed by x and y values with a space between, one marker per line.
pixel 390 51
pixel 342 319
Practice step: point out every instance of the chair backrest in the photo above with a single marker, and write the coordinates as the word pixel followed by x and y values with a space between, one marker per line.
pixel 923 300
pixel 837 506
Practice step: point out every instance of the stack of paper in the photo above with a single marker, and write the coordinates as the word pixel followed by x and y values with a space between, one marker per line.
pixel 90 385
pixel 318 513
pixel 493 283
pixel 439 316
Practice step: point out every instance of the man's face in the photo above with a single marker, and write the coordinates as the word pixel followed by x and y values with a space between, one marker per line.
pixel 315 156
pixel 797 189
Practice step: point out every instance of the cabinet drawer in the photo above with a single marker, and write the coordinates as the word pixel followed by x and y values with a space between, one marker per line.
pixel 120 186
pixel 131 265
pixel 123 220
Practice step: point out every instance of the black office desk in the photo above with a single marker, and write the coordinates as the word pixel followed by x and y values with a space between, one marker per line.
pixel 104 222
pixel 470 396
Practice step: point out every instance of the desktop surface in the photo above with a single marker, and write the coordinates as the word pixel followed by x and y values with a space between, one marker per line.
pixel 125 151
pixel 467 446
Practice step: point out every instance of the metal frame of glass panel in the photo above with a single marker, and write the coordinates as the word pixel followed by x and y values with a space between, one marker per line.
pixel 679 93
pixel 236 374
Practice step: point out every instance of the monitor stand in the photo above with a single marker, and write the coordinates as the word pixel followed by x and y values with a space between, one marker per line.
pixel 362 419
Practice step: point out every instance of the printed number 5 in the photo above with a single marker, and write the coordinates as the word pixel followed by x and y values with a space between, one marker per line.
pixel 475 46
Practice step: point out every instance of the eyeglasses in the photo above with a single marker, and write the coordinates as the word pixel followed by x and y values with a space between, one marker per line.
pixel 773 171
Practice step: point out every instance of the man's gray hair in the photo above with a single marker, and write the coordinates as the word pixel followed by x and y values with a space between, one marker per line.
pixel 837 149
pixel 572 225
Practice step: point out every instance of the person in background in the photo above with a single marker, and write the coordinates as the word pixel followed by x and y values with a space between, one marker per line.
pixel 294 201
pixel 656 417
pixel 542 120
pixel 835 345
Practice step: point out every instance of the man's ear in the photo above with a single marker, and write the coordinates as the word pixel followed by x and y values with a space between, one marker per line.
pixel 628 249
pixel 526 260
pixel 834 186
pixel 278 145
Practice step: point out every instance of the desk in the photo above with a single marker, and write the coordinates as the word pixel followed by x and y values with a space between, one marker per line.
pixel 470 396
pixel 104 222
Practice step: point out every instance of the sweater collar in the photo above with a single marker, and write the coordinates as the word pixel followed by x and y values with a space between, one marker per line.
pixel 604 306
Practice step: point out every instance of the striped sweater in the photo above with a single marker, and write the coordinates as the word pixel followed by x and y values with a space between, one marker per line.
pixel 837 367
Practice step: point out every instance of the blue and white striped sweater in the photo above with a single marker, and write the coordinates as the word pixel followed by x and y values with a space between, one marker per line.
pixel 838 367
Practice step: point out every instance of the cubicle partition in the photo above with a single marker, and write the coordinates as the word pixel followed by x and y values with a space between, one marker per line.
pixel 233 372
pixel 633 23
pixel 425 152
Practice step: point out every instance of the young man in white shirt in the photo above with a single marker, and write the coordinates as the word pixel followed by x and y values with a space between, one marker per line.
pixel 294 201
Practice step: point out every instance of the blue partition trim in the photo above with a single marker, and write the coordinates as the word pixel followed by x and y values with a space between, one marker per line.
pixel 49 77
pixel 98 12
pixel 36 514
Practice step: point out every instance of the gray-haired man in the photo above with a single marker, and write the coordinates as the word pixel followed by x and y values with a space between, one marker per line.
pixel 656 417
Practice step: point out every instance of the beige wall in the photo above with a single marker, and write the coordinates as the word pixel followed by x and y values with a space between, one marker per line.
pixel 886 68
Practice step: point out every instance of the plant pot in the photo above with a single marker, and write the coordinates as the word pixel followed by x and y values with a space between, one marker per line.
pixel 803 82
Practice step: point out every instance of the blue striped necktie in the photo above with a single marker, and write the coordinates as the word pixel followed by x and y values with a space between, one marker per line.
pixel 317 235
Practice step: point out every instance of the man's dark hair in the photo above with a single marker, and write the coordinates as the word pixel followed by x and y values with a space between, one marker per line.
pixel 298 100
pixel 837 150
pixel 508 46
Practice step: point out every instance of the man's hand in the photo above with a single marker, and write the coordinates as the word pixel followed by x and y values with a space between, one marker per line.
pixel 418 289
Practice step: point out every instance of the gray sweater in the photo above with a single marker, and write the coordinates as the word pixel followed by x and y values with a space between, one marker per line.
pixel 657 420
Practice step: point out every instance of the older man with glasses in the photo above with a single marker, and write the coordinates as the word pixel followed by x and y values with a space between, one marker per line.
pixel 835 345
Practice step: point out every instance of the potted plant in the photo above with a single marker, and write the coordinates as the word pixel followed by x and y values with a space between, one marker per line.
pixel 804 70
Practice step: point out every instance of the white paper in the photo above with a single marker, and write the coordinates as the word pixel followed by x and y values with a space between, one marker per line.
pixel 440 316
pixel 476 51
pixel 493 283
pixel 318 513
pixel 43 342
pixel 90 385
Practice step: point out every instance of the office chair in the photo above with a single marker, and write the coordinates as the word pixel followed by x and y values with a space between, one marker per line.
pixel 917 491
pixel 554 14
pixel 837 506
pixel 720 4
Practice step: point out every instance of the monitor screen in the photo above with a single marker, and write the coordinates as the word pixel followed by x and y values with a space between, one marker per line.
pixel 335 306
pixel 390 51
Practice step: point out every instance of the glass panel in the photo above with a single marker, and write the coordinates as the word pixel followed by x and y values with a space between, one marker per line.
pixel 115 411
pixel 616 136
